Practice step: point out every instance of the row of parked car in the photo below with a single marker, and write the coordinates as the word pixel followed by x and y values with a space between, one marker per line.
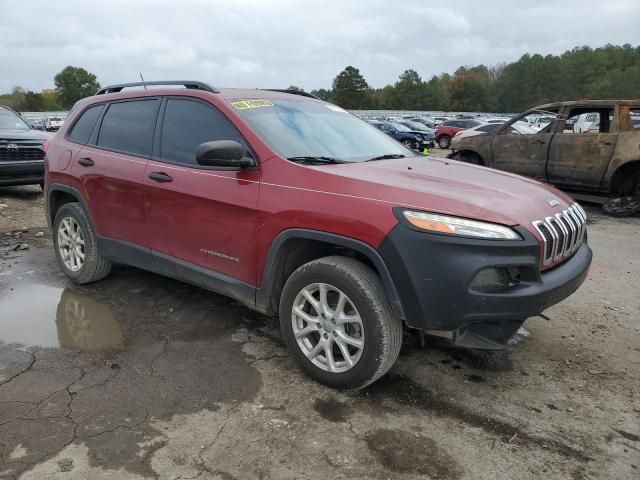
pixel 49 124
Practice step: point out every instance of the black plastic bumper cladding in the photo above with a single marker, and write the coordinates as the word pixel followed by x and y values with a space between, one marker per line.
pixel 433 274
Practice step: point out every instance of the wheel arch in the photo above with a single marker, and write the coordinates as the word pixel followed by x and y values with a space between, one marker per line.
pixel 294 247
pixel 464 155
pixel 622 174
pixel 57 196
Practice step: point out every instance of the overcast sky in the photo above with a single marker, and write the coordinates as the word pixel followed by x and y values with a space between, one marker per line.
pixel 277 43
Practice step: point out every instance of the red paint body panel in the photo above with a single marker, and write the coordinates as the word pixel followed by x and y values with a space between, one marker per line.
pixel 114 195
pixel 202 213
pixel 447 130
pixel 239 214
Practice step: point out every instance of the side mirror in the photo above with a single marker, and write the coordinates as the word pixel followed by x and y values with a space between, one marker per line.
pixel 222 153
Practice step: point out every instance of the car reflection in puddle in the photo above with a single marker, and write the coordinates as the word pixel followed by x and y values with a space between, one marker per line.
pixel 43 316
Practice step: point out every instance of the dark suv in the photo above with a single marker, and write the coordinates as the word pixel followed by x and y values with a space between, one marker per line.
pixel 21 150
pixel 297 208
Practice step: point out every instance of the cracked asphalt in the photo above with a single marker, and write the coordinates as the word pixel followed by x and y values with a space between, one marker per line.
pixel 139 376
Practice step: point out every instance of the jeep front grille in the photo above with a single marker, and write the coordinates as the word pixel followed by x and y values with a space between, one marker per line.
pixel 562 233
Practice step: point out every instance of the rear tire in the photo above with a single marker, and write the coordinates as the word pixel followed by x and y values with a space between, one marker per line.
pixel 408 143
pixel 314 330
pixel 76 245
pixel 622 206
pixel 444 141
pixel 628 200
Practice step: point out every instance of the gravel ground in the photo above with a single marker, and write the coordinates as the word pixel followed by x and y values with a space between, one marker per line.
pixel 140 376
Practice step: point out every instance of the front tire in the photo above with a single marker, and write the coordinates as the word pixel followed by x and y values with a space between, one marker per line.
pixel 444 141
pixel 338 323
pixel 407 143
pixel 76 245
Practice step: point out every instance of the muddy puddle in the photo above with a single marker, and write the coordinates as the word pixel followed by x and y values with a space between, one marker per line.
pixel 44 316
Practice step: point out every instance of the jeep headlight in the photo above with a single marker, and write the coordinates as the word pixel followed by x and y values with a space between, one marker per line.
pixel 434 222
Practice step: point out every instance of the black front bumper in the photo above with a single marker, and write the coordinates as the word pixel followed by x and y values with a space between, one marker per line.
pixel 426 143
pixel 21 172
pixel 434 273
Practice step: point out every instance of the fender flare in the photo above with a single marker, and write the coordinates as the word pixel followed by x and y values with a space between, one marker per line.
pixel 58 187
pixel 263 293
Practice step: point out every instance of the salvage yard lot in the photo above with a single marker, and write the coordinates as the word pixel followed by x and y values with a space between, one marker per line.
pixel 159 379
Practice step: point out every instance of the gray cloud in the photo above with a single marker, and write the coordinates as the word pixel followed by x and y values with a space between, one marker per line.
pixel 276 43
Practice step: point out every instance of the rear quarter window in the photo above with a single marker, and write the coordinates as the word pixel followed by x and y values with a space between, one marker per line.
pixel 81 130
pixel 128 127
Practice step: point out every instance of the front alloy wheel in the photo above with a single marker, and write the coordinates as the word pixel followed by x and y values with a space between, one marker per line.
pixel 327 327
pixel 338 322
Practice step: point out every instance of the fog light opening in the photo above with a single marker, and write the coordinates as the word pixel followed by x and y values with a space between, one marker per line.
pixel 496 279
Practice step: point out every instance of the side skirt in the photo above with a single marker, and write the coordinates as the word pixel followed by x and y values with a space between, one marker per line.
pixel 132 254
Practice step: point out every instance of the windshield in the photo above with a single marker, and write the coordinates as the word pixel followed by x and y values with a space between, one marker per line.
pixel 303 128
pixel 11 121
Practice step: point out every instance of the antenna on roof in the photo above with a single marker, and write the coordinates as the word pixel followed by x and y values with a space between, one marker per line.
pixel 143 83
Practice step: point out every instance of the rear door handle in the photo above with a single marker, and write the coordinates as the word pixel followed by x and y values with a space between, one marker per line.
pixel 86 162
pixel 160 177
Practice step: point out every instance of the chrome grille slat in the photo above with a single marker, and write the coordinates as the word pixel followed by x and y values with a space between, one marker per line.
pixel 572 232
pixel 562 233
pixel 579 228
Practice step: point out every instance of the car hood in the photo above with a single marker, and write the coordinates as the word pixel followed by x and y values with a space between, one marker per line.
pixel 22 135
pixel 454 188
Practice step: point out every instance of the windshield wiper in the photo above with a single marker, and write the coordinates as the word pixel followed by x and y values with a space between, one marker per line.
pixel 388 156
pixel 318 160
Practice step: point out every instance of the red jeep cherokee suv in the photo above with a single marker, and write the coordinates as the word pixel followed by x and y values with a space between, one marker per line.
pixel 295 207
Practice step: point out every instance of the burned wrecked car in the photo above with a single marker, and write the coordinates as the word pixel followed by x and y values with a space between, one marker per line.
pixel 603 159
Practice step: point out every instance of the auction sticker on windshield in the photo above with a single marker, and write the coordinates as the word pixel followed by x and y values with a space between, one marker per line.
pixel 256 103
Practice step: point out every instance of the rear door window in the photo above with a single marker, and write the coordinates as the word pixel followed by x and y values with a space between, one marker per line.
pixel 128 127
pixel 81 130
pixel 189 123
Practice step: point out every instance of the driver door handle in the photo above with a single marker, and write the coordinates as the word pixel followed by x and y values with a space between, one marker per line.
pixel 160 177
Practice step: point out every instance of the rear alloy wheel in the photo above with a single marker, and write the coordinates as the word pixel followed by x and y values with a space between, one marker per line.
pixel 71 246
pixel 444 141
pixel 338 324
pixel 76 245
pixel 407 143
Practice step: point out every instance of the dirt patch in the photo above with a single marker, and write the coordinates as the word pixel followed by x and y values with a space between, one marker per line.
pixel 405 392
pixel 405 452
pixel 333 410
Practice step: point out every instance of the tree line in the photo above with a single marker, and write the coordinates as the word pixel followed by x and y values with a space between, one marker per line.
pixel 583 72
pixel 71 84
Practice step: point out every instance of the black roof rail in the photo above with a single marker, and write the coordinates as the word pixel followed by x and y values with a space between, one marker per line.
pixel 293 92
pixel 194 85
